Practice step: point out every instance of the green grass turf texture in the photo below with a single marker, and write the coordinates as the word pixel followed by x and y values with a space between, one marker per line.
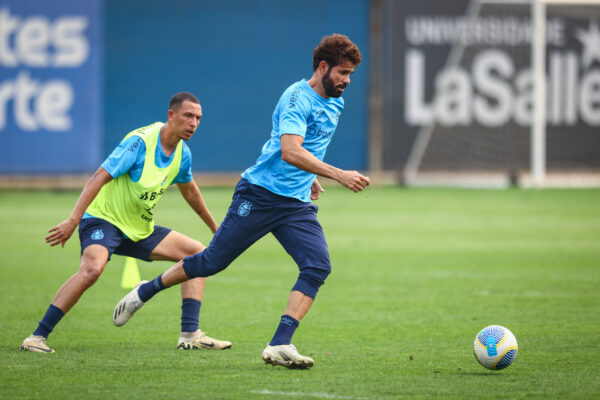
pixel 416 274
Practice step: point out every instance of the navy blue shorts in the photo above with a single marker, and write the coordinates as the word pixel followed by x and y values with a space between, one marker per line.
pixel 254 212
pixel 102 232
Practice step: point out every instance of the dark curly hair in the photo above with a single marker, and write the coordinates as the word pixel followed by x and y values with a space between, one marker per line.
pixel 335 50
pixel 179 98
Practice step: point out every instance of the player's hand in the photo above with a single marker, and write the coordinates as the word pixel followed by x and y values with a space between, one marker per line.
pixel 315 190
pixel 353 180
pixel 61 232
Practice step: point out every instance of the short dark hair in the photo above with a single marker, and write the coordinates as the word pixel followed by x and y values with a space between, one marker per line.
pixel 179 98
pixel 336 49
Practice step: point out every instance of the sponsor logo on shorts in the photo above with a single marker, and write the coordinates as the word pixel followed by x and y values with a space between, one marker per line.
pixel 245 208
pixel 97 234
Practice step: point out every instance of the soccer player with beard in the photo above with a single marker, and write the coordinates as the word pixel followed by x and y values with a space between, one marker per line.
pixel 274 196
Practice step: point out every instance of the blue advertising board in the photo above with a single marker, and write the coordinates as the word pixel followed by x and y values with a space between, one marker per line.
pixel 50 86
pixel 237 57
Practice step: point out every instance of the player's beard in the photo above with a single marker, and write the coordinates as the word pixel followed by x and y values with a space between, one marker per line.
pixel 331 90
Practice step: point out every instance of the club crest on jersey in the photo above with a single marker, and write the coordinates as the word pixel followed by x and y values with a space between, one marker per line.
pixel 97 234
pixel 245 208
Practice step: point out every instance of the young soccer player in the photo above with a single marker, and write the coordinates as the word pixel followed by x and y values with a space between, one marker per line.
pixel 115 213
pixel 275 194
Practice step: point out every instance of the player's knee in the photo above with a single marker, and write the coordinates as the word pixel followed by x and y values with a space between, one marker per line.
pixel 203 264
pixel 90 271
pixel 319 274
pixel 311 279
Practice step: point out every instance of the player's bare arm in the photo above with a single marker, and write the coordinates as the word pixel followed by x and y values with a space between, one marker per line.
pixel 293 153
pixel 191 193
pixel 63 231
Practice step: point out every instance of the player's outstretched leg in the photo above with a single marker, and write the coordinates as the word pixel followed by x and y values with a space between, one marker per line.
pixel 286 355
pixel 93 260
pixel 128 306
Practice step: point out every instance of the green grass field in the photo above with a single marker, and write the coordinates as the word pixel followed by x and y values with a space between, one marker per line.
pixel 416 274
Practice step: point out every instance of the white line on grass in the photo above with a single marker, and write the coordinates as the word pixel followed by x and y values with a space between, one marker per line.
pixel 300 394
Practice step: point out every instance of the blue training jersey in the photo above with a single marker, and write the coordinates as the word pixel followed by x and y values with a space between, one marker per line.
pixel 123 160
pixel 300 111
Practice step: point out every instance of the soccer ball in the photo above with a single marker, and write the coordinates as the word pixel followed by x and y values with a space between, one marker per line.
pixel 495 347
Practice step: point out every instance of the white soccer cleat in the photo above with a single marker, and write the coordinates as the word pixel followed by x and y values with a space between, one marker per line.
pixel 287 356
pixel 128 306
pixel 199 340
pixel 36 343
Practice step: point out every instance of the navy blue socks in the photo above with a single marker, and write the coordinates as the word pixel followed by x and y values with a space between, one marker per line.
pixel 190 314
pixel 190 308
pixel 285 331
pixel 149 289
pixel 51 318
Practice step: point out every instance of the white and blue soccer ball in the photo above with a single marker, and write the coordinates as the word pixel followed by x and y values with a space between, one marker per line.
pixel 495 347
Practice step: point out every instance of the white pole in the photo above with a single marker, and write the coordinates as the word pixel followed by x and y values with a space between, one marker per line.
pixel 538 126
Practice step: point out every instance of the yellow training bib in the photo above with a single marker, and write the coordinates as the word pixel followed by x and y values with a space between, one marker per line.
pixel 130 205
